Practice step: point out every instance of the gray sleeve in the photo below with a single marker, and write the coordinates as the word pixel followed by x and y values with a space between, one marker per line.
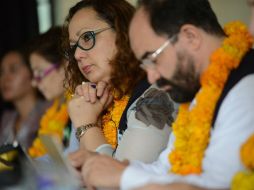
pixel 149 120
pixel 74 144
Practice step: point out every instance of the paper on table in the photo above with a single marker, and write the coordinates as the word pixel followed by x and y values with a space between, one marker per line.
pixel 55 151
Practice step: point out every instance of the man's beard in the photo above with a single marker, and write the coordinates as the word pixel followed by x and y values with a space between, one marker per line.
pixel 185 82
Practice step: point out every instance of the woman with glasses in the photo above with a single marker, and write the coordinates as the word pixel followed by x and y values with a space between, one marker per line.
pixel 21 118
pixel 48 64
pixel 113 110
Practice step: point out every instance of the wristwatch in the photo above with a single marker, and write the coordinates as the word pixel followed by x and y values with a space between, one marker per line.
pixel 81 130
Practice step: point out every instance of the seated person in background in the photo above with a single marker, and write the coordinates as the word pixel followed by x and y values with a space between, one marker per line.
pixel 21 121
pixel 48 64
pixel 209 71
pixel 116 111
pixel 4 105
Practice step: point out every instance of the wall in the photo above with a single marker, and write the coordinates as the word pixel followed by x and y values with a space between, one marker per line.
pixel 226 10
pixel 62 8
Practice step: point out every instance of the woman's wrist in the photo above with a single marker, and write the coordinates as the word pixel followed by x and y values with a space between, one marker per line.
pixel 92 138
pixel 81 130
pixel 84 122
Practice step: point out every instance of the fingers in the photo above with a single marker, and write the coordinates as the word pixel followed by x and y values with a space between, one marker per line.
pixel 91 88
pixel 79 91
pixel 86 90
pixel 103 172
pixel 91 91
pixel 85 172
pixel 95 91
pixel 76 162
pixel 109 100
pixel 106 98
pixel 77 159
pixel 101 86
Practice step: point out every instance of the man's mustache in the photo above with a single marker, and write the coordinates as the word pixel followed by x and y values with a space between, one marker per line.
pixel 178 93
pixel 162 82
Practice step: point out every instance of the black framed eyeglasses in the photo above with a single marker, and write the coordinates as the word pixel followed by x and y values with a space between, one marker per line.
pixel 86 41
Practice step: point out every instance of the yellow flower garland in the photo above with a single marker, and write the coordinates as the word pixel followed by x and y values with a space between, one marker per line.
pixel 53 123
pixel 192 127
pixel 245 180
pixel 247 153
pixel 110 121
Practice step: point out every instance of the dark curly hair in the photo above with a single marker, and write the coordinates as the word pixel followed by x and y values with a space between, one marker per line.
pixel 48 45
pixel 125 67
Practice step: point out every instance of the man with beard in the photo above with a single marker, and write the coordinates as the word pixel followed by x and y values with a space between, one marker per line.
pixel 211 73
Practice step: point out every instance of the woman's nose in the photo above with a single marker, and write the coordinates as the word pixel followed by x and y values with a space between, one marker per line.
pixel 79 53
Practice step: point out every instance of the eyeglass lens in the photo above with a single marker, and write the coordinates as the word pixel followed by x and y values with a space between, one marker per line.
pixel 85 42
pixel 39 75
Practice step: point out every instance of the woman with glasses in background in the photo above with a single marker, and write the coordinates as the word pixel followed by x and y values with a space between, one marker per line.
pixel 48 64
pixel 20 120
pixel 114 110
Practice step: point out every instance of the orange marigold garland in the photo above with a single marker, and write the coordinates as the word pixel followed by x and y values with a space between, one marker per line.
pixel 244 180
pixel 110 121
pixel 53 123
pixel 247 153
pixel 192 126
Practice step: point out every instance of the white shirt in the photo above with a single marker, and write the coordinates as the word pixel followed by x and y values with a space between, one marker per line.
pixel 233 126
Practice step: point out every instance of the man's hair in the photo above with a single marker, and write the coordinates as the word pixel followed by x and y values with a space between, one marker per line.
pixel 168 16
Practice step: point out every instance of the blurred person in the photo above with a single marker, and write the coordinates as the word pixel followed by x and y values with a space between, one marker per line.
pixel 114 110
pixel 208 70
pixel 47 63
pixel 20 122
pixel 3 105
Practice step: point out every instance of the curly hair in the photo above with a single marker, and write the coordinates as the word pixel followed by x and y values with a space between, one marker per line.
pixel 125 67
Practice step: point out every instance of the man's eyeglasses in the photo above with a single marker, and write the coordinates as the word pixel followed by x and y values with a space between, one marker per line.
pixel 86 41
pixel 148 59
pixel 39 75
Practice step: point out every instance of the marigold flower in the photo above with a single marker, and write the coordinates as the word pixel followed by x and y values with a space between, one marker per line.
pixel 53 123
pixel 192 126
pixel 110 121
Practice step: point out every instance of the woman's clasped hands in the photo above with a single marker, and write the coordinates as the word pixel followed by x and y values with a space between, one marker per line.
pixel 88 102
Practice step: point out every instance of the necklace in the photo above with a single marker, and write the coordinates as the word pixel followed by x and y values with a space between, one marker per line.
pixel 53 123
pixel 110 121
pixel 192 126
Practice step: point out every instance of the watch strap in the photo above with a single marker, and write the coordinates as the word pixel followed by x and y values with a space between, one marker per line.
pixel 81 130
